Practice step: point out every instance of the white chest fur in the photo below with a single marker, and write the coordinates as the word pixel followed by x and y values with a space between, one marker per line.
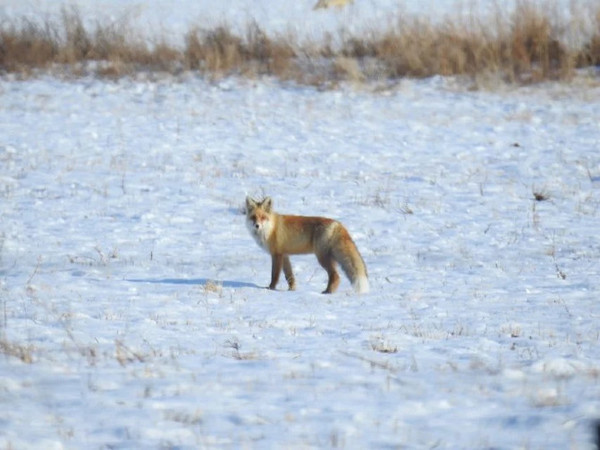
pixel 260 232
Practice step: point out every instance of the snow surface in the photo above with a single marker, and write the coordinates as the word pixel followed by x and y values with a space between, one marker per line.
pixel 130 279
pixel 133 313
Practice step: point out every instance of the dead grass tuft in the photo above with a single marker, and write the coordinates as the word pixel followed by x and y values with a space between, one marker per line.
pixel 19 351
pixel 541 196
pixel 219 52
pixel 214 287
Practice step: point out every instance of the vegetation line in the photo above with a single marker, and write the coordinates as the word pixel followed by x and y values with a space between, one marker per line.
pixel 532 44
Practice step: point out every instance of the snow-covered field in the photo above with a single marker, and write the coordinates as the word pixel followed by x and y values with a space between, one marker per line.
pixel 132 307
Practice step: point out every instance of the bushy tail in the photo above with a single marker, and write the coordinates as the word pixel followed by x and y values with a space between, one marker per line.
pixel 348 257
pixel 361 284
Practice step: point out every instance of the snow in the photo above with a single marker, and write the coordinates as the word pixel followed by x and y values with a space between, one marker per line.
pixel 133 311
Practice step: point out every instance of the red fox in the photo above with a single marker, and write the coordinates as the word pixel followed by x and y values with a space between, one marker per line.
pixel 282 236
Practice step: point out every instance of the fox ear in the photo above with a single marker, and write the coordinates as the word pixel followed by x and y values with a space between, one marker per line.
pixel 250 204
pixel 267 204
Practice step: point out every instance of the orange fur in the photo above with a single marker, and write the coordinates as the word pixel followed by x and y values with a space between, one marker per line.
pixel 284 235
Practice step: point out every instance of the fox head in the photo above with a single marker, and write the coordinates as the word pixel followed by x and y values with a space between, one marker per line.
pixel 259 219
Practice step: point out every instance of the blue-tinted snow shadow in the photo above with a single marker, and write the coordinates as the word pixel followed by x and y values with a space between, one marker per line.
pixel 195 282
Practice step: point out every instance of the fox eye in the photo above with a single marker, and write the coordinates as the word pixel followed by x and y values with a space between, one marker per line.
pixel 253 218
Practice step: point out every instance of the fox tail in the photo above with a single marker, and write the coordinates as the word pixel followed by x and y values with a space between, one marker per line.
pixel 353 265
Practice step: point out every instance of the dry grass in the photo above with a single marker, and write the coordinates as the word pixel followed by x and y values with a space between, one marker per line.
pixel 19 351
pixel 530 45
pixel 219 52
pixel 26 46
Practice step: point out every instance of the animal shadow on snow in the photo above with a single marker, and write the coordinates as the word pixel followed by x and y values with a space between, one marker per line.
pixel 195 281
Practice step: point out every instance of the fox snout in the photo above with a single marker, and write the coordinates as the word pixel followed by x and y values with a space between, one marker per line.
pixel 254 223
pixel 257 223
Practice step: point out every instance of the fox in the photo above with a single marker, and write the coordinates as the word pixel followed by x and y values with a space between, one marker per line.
pixel 285 235
pixel 327 3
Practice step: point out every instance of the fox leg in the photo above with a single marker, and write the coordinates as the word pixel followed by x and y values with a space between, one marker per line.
pixel 287 271
pixel 289 275
pixel 328 263
pixel 277 262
